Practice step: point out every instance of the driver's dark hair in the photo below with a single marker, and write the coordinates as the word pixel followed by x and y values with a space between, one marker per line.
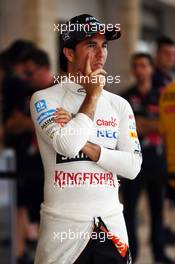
pixel 62 57
pixel 63 62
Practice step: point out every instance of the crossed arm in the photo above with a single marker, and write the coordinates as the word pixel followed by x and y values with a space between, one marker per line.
pixel 123 162
pixel 92 150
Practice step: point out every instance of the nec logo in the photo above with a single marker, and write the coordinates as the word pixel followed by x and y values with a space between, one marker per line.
pixel 107 134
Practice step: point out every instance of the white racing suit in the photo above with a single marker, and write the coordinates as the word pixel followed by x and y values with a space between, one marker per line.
pixel 77 190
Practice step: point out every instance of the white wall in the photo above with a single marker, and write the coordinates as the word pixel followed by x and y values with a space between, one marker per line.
pixel 11 23
pixel 70 8
pixel 169 18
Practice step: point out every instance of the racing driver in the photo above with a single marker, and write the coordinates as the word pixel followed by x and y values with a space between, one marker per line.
pixel 81 216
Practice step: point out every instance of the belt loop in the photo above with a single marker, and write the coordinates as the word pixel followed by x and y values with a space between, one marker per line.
pixel 96 222
pixel 102 223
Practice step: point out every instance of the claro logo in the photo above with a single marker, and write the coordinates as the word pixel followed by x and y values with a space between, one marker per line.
pixel 103 122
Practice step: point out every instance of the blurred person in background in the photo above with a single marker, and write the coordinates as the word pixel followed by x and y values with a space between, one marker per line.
pixel 164 63
pixel 144 102
pixel 19 135
pixel 37 69
pixel 163 75
pixel 13 74
pixel 167 129
pixel 37 73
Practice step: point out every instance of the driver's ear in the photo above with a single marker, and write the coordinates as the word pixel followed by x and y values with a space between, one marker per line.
pixel 69 54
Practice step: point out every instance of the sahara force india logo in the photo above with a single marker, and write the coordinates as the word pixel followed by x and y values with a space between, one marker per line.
pixel 78 179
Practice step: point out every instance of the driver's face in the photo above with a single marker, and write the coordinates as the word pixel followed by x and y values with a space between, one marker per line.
pixel 96 47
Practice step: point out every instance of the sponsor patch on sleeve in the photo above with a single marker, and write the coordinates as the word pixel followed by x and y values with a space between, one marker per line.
pixel 136 147
pixel 43 116
pixel 133 134
pixel 40 105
